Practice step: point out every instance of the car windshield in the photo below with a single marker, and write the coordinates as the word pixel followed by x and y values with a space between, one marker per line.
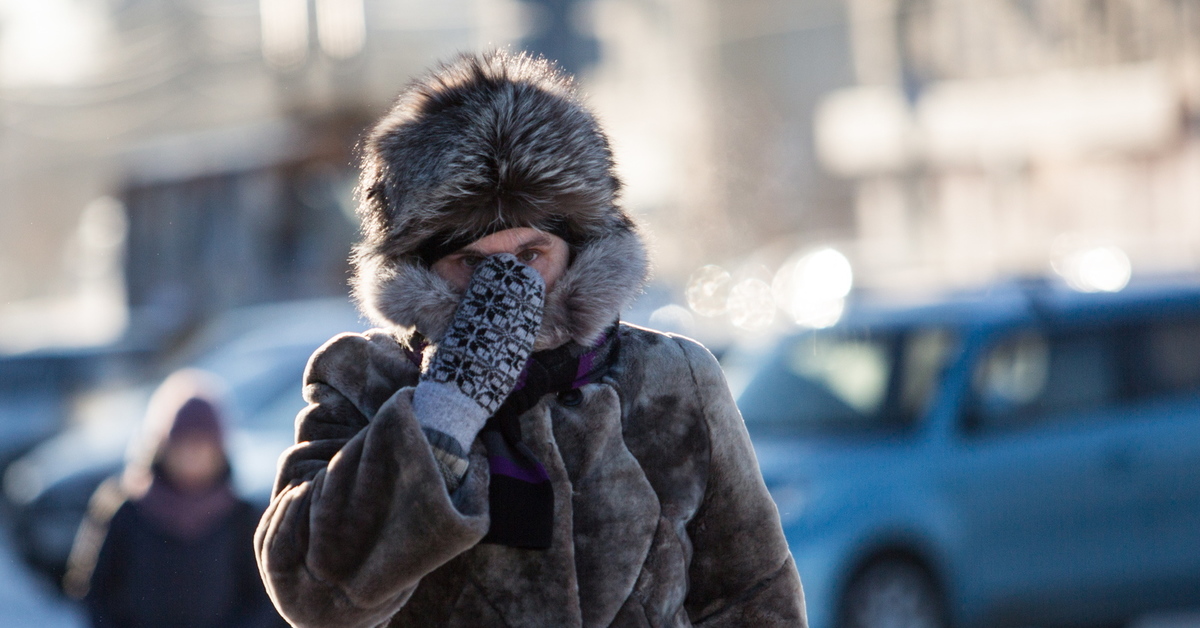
pixel 839 381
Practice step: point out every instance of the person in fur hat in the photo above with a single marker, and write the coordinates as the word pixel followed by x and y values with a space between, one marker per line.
pixel 502 451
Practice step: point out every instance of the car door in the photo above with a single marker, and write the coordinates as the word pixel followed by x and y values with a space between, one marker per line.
pixel 1037 491
pixel 1157 450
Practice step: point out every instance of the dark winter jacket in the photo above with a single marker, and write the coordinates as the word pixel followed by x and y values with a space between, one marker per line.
pixel 150 555
pixel 660 514
pixel 147 577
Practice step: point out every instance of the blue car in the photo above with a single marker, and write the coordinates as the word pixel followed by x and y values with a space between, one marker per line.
pixel 1028 456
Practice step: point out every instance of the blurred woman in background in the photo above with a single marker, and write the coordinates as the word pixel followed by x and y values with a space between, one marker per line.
pixel 170 544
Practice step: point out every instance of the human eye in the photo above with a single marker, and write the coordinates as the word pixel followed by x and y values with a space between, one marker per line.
pixel 528 255
pixel 471 261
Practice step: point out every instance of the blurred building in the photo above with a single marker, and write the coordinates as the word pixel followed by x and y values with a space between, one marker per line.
pixel 934 144
pixel 162 161
pixel 1004 137
pixel 167 159
pixel 710 105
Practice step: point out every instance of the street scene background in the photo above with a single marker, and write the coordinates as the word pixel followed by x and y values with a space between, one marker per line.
pixel 177 186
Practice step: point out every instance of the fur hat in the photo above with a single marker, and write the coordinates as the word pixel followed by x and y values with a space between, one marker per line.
pixel 478 145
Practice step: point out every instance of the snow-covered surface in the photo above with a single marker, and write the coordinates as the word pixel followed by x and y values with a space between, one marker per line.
pixel 27 601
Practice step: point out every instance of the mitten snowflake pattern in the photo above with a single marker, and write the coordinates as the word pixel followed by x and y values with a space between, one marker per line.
pixel 492 332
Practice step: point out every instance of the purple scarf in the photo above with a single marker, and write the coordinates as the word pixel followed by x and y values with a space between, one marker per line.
pixel 188 516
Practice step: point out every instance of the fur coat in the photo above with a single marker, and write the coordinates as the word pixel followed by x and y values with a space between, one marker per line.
pixel 660 518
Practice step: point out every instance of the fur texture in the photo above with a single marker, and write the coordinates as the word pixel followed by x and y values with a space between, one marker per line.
pixel 482 144
pixel 661 516
pixel 603 279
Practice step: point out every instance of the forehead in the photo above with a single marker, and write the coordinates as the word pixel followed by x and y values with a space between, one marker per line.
pixel 512 238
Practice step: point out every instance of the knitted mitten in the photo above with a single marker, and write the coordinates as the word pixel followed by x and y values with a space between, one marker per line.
pixel 475 366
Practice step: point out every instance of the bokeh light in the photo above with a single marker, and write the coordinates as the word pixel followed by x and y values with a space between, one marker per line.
pixel 708 290
pixel 751 305
pixel 825 275
pixel 49 42
pixel 812 287
pixel 818 314
pixel 1097 269
pixel 341 27
pixel 284 32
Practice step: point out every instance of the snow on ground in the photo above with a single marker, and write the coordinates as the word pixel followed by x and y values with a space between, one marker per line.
pixel 27 601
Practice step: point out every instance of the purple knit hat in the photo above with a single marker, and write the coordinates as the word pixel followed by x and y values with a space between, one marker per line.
pixel 197 416
pixel 189 402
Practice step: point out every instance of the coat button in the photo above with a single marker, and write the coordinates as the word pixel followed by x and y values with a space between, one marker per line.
pixel 571 397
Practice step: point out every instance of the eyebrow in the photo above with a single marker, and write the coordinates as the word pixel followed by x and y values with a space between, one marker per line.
pixel 540 239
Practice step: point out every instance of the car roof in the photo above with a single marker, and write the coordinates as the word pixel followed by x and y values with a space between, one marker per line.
pixel 1024 299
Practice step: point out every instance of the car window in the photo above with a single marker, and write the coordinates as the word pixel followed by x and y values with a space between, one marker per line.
pixel 926 352
pixel 855 372
pixel 1161 359
pixel 1172 358
pixel 843 381
pixel 821 382
pixel 1031 378
pixel 839 381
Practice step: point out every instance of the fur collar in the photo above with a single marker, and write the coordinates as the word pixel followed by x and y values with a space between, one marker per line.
pixel 605 277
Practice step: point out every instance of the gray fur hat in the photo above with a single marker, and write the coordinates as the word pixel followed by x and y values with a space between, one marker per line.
pixel 481 144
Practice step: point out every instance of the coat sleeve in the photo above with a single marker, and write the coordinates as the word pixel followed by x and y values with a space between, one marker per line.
pixel 741 573
pixel 359 512
pixel 105 593
pixel 253 607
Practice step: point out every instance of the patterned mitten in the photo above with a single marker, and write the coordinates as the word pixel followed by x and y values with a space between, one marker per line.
pixel 475 366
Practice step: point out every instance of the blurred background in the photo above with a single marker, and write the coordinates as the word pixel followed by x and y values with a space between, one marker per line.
pixel 177 181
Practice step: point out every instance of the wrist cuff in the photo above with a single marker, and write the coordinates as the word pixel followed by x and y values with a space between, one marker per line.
pixel 443 407
pixel 451 459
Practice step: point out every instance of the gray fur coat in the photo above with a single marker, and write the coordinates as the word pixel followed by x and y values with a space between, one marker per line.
pixel 662 517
